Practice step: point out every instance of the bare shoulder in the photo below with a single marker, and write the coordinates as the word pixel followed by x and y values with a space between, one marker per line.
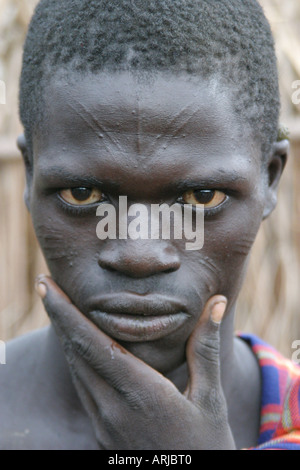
pixel 38 406
pixel 18 381
pixel 23 357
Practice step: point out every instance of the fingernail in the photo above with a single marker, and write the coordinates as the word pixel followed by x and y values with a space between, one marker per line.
pixel 41 288
pixel 218 311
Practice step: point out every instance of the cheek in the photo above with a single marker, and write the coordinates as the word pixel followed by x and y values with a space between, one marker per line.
pixel 69 249
pixel 220 266
pixel 228 249
pixel 59 246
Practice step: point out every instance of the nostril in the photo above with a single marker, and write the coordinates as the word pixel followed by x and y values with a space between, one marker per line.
pixel 108 268
pixel 135 261
pixel 171 270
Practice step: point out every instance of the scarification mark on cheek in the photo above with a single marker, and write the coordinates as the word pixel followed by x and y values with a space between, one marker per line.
pixel 58 255
pixel 209 275
pixel 243 246
pixel 55 244
pixel 211 266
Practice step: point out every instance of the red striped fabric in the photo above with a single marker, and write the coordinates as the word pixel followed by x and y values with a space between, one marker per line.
pixel 280 405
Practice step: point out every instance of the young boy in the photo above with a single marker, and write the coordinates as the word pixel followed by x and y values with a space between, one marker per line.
pixel 159 102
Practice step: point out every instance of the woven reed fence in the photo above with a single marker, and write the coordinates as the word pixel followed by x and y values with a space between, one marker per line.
pixel 268 305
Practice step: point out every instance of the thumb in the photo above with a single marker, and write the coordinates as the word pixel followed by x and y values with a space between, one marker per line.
pixel 203 351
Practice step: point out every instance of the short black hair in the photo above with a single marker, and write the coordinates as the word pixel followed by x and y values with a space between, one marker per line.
pixel 200 37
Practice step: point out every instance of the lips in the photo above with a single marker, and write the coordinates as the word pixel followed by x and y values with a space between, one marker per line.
pixel 131 317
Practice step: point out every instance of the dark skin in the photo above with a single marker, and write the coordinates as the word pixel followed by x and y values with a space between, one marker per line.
pixel 194 386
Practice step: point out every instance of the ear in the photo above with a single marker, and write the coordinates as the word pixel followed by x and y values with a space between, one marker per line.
pixel 22 145
pixel 276 164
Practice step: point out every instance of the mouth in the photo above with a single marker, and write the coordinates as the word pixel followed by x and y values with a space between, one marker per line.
pixel 134 318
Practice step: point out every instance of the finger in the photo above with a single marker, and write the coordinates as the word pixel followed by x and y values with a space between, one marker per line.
pixel 80 336
pixel 203 352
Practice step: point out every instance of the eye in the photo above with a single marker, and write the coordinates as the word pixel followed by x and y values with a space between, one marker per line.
pixel 208 197
pixel 81 196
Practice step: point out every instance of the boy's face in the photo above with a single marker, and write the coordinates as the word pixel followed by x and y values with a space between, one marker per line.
pixel 152 141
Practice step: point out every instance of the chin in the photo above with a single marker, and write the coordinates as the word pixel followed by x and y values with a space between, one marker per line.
pixel 157 356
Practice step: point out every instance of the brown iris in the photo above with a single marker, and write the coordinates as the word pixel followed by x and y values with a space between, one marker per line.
pixel 209 198
pixel 81 196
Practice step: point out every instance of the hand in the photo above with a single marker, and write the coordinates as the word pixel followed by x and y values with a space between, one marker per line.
pixel 131 405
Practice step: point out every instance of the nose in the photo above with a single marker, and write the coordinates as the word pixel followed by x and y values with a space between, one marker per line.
pixel 139 258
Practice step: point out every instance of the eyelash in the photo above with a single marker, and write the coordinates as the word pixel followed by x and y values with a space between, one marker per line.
pixel 212 211
pixel 216 210
pixel 83 211
pixel 78 211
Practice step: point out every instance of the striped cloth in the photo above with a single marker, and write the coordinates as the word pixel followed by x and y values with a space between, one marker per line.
pixel 280 406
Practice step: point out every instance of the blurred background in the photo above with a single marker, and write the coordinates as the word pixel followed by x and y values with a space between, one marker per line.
pixel 269 303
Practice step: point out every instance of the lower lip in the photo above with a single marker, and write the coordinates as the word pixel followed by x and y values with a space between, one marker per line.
pixel 137 328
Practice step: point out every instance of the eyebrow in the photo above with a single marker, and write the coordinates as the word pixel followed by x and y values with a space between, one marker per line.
pixel 221 178
pixel 57 175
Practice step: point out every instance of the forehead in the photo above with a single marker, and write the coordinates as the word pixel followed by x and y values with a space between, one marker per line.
pixel 142 103
pixel 128 119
